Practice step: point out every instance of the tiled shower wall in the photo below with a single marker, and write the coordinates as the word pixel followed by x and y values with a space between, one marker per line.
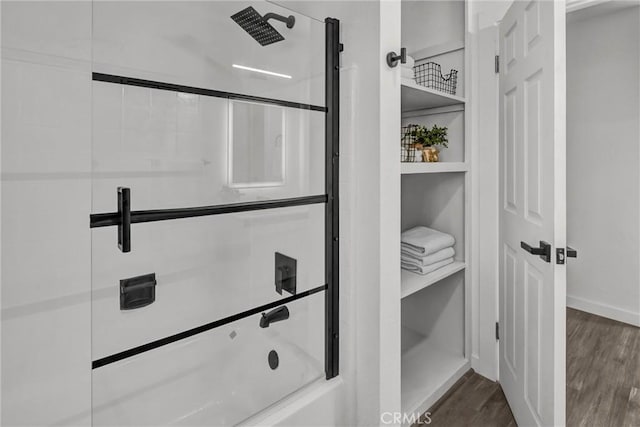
pixel 46 198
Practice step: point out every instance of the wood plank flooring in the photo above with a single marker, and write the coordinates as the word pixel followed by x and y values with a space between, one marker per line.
pixel 603 381
pixel 472 401
pixel 603 371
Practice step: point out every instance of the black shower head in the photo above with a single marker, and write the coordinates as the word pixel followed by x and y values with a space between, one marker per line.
pixel 258 27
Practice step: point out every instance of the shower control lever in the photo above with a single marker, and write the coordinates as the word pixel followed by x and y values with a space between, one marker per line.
pixel 276 315
pixel 285 274
pixel 392 58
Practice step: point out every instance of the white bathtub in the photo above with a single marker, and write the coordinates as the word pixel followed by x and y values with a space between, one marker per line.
pixel 218 378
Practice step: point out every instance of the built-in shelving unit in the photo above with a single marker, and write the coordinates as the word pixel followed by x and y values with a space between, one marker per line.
pixel 412 282
pixel 435 326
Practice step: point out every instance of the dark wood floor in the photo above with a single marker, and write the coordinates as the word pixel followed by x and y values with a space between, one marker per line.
pixel 472 401
pixel 603 381
pixel 603 371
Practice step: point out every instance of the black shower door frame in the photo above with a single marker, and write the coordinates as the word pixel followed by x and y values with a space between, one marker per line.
pixel 124 216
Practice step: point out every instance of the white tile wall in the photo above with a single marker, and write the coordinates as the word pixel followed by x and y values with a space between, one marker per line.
pixel 46 200
pixel 46 360
pixel 46 119
pixel 57 28
pixel 46 241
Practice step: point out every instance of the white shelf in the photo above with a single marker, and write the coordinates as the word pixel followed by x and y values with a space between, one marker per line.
pixel 427 373
pixel 437 167
pixel 412 282
pixel 440 49
pixel 417 97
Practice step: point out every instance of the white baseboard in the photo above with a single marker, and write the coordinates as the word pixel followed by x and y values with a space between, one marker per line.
pixel 604 310
pixel 487 369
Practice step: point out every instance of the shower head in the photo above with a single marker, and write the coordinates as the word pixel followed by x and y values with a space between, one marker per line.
pixel 258 27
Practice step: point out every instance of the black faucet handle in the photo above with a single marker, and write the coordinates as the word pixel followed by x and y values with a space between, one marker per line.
pixel 285 268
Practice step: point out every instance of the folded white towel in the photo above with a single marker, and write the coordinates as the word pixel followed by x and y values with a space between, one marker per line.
pixel 423 241
pixel 410 258
pixel 410 62
pixel 408 73
pixel 428 269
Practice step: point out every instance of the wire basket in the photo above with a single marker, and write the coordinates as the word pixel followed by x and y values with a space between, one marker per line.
pixel 430 75
pixel 408 151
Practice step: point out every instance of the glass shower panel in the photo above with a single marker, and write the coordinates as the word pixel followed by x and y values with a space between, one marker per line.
pixel 208 157
pixel 218 378
pixel 196 43
pixel 177 149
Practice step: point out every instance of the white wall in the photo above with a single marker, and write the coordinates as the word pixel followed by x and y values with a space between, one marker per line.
pixel 46 200
pixel 603 163
pixel 431 23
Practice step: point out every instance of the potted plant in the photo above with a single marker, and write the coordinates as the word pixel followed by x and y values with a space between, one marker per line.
pixel 427 140
pixel 435 137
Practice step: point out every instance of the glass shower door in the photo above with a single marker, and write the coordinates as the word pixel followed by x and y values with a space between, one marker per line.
pixel 210 210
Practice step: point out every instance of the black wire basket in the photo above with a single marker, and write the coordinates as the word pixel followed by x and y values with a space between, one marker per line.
pixel 430 75
pixel 408 152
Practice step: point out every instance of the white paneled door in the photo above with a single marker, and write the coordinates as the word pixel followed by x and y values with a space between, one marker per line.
pixel 532 196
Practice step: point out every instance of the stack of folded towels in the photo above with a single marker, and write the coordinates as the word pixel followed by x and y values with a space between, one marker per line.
pixel 425 250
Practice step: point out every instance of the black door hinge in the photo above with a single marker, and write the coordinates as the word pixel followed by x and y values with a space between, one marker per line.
pixel 497 66
pixel 497 331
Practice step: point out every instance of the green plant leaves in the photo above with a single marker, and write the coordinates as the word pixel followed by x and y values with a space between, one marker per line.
pixel 429 137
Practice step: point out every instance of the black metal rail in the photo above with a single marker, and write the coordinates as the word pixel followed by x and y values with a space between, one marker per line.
pixel 332 147
pixel 115 218
pixel 152 84
pixel 200 329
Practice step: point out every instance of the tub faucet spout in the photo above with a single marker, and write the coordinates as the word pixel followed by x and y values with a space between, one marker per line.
pixel 280 313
